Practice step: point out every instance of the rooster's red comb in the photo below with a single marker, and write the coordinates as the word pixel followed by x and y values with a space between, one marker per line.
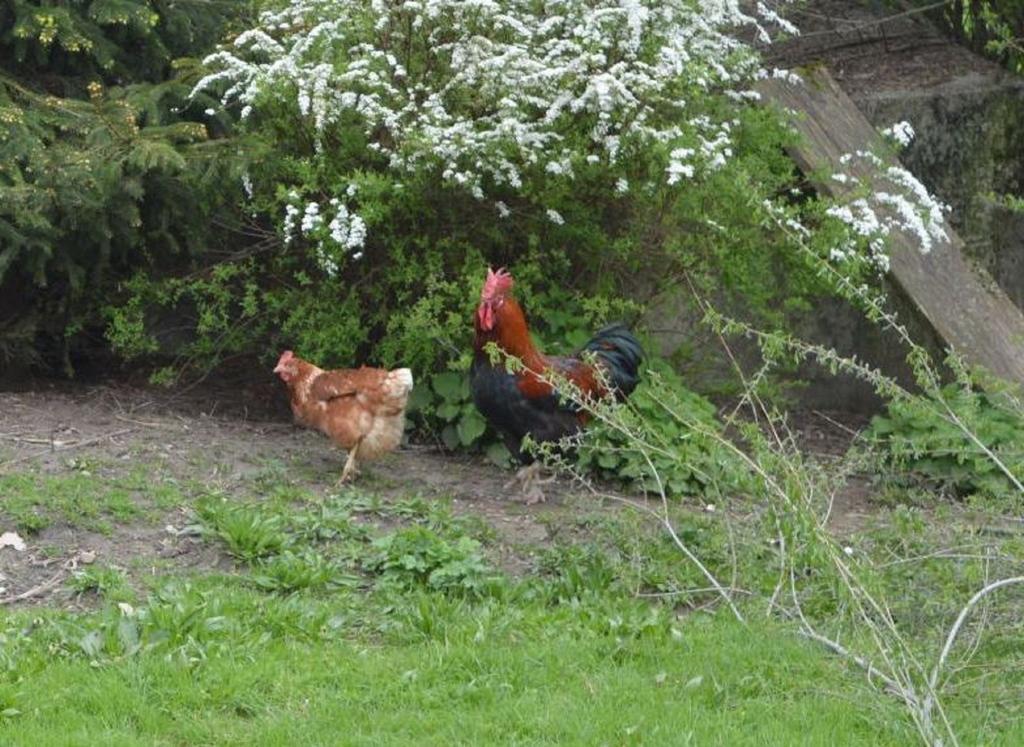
pixel 498 283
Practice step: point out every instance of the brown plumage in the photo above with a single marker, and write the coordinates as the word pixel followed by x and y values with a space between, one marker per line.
pixel 361 409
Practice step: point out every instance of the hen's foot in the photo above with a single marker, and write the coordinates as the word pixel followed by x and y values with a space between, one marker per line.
pixel 347 476
pixel 351 470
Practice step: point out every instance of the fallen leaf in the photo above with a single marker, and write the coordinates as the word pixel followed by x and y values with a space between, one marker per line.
pixel 12 539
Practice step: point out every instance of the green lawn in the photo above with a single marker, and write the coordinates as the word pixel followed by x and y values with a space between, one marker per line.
pixel 352 619
pixel 533 676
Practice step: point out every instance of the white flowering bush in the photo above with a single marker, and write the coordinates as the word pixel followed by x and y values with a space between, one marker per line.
pixel 406 145
pixel 510 102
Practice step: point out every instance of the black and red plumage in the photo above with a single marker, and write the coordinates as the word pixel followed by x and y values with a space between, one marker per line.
pixel 526 402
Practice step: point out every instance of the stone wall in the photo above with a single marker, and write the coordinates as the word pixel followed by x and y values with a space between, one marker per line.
pixel 968 114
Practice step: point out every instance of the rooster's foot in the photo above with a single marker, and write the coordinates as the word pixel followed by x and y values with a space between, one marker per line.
pixel 529 479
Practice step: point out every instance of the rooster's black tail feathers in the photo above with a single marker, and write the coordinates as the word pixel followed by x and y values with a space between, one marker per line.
pixel 620 353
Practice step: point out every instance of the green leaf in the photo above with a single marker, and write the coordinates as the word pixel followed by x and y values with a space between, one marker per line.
pixel 91 643
pixel 419 398
pixel 450 436
pixel 471 427
pixel 498 454
pixel 449 410
pixel 448 385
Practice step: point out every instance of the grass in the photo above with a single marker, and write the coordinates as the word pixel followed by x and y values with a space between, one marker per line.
pixel 358 619
pixel 716 683
pixel 83 499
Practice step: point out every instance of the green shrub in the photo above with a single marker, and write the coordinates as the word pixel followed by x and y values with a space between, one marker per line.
pixel 382 238
pixel 107 166
pixel 921 440
pixel 680 427
pixel 416 556
pixel 996 26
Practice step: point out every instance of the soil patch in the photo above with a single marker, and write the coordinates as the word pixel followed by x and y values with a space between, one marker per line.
pixel 218 440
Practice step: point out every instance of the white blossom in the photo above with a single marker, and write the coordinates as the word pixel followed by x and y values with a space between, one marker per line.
pixel 311 218
pixel 899 203
pixel 326 261
pixel 901 132
pixel 347 229
pixel 622 66
pixel 291 212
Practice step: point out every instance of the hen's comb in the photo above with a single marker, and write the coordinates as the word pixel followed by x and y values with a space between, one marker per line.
pixel 498 282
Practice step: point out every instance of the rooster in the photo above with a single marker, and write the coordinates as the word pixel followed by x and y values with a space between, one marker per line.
pixel 362 409
pixel 525 402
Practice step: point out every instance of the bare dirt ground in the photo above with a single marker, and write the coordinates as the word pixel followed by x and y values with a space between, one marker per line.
pixel 227 440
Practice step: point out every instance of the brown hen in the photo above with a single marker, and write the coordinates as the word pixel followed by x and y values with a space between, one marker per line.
pixel 362 409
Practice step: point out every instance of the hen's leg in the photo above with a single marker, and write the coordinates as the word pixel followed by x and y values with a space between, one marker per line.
pixel 351 468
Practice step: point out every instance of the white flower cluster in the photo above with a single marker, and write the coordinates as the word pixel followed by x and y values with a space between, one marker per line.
pixel 899 203
pixel 488 90
pixel 864 222
pixel 345 232
pixel 920 213
pixel 901 132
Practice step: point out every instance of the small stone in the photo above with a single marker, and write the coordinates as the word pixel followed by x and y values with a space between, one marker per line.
pixel 12 540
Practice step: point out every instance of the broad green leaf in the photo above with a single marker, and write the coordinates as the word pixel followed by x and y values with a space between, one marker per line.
pixel 471 427
pixel 419 398
pixel 449 410
pixel 448 385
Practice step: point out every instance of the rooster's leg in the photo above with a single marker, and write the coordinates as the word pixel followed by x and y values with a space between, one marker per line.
pixel 351 468
pixel 529 480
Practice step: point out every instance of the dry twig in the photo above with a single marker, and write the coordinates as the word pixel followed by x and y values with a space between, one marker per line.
pixel 44 587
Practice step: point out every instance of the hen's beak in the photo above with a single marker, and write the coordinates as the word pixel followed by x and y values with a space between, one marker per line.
pixel 278 368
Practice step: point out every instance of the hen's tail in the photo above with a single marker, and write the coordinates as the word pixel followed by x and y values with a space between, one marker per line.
pixel 398 383
pixel 620 353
